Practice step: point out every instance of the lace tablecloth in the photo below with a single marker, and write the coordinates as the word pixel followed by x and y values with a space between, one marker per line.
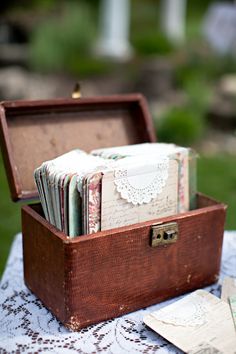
pixel 26 326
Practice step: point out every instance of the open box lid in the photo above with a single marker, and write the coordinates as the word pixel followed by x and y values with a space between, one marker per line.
pixel 32 132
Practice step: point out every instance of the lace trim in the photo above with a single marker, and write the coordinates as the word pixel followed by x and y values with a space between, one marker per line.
pixel 191 314
pixel 141 187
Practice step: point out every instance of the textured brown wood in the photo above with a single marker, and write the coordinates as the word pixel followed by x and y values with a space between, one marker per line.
pixel 43 253
pixel 110 273
pixel 36 131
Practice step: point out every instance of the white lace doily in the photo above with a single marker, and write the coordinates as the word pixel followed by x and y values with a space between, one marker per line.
pixel 189 314
pixel 141 186
pixel 26 326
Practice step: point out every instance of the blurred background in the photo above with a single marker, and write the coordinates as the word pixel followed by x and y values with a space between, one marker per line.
pixel 181 54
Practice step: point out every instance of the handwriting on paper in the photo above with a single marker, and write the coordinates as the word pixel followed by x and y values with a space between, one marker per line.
pixel 117 212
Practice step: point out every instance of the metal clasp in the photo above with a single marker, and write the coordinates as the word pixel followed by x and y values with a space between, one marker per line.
pixel 163 234
pixel 77 91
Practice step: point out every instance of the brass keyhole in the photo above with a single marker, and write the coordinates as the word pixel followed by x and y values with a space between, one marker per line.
pixel 164 234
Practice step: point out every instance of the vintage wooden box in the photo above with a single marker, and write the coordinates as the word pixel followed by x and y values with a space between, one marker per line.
pixel 96 277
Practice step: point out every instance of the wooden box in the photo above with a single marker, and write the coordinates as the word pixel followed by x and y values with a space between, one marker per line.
pixel 96 277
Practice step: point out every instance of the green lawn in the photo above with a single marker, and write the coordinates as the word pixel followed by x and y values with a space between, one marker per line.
pixel 216 177
pixel 9 218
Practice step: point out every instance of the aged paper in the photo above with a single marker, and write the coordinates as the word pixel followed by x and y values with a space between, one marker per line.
pixel 118 212
pixel 228 294
pixel 198 323
pixel 232 303
pixel 228 288
pixel 184 186
pixel 187 168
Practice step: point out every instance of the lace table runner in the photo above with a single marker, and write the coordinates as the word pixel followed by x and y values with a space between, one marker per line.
pixel 26 326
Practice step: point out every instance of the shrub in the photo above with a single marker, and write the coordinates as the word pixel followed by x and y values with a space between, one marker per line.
pixel 181 126
pixel 154 42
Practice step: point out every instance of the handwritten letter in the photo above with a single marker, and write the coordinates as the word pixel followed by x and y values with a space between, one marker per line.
pixel 117 212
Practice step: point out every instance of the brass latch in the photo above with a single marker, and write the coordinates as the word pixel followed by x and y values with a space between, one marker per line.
pixel 77 91
pixel 162 234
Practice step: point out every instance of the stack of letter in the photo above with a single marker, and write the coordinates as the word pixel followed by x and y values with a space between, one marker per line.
pixel 112 187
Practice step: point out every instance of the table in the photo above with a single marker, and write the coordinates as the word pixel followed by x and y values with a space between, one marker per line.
pixel 26 326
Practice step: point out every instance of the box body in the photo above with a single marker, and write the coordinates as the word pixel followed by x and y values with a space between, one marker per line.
pixel 96 277
pixel 99 276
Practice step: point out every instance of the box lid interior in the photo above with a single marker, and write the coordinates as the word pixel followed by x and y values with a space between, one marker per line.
pixel 36 131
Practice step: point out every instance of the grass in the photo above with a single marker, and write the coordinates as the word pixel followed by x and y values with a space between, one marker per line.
pixel 9 218
pixel 216 177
